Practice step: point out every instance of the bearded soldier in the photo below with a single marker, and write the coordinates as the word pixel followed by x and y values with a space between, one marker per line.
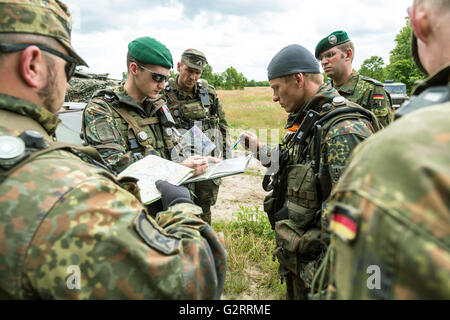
pixel 391 223
pixel 68 230
pixel 194 102
pixel 324 129
pixel 336 53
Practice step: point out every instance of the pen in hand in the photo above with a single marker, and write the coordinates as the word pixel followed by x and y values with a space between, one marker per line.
pixel 235 145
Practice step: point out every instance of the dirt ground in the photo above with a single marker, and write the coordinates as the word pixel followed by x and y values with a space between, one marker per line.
pixel 240 190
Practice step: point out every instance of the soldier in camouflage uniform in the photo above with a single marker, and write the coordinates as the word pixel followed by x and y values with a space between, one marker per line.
pixel 67 229
pixel 391 223
pixel 194 102
pixel 336 53
pixel 324 129
pixel 131 121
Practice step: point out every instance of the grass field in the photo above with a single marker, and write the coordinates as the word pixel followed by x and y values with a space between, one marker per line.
pixel 252 109
pixel 251 273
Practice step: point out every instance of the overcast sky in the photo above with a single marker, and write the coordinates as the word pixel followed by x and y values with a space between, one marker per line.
pixel 245 34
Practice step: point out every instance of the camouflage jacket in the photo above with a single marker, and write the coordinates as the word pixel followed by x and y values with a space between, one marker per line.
pixel 301 237
pixel 108 126
pixel 68 231
pixel 392 222
pixel 188 109
pixel 369 94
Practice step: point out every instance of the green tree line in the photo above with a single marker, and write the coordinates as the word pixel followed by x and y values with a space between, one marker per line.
pixel 401 67
pixel 230 79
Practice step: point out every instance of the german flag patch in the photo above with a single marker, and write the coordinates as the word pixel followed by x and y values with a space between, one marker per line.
pixel 378 97
pixel 344 222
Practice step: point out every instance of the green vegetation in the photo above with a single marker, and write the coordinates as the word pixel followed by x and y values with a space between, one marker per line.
pixel 401 67
pixel 251 271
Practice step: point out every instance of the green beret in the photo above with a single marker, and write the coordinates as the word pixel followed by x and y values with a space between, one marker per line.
pixel 150 51
pixel 50 18
pixel 333 40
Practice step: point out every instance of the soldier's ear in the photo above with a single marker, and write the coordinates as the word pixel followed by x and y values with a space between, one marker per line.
pixel 419 20
pixel 178 67
pixel 133 68
pixel 349 54
pixel 299 79
pixel 33 67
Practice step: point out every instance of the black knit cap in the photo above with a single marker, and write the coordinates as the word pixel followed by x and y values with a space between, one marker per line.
pixel 291 60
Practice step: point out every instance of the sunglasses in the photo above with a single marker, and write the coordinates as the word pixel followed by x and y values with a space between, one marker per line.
pixel 155 76
pixel 70 67
pixel 328 55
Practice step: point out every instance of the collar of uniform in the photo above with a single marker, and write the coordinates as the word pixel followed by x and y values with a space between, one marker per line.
pixel 324 94
pixel 125 98
pixel 440 78
pixel 349 86
pixel 45 118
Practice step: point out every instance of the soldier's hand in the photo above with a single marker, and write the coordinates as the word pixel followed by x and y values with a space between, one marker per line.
pixel 198 163
pixel 214 160
pixel 250 141
pixel 171 194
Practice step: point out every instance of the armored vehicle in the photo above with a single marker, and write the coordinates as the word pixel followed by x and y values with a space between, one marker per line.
pixel 82 86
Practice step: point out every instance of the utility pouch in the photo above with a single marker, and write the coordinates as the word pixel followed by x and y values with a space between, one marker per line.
pixel 288 239
pixel 298 251
pixel 193 111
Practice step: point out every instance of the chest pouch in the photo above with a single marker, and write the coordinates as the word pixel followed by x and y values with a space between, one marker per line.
pixel 302 195
pixel 193 111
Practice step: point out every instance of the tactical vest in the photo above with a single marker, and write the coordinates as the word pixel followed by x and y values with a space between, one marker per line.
pixel 300 186
pixel 143 133
pixel 21 151
pixel 201 111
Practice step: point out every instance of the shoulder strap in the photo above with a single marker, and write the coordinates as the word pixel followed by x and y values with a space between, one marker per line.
pixel 111 98
pixel 350 111
pixel 373 81
pixel 88 154
pixel 430 97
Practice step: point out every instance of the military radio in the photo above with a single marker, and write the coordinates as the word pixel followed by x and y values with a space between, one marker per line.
pixel 306 126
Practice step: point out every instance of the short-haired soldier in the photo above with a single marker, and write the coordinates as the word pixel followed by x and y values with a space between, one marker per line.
pixel 68 230
pixel 324 128
pixel 336 53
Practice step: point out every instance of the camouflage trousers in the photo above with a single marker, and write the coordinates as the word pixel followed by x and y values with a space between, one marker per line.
pixel 295 287
pixel 206 196
pixel 300 254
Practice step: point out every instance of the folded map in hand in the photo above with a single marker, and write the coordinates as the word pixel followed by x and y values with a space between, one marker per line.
pixel 154 168
pixel 222 169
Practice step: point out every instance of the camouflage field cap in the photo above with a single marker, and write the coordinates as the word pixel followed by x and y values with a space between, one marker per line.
pixel 49 18
pixel 194 59
pixel 333 40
